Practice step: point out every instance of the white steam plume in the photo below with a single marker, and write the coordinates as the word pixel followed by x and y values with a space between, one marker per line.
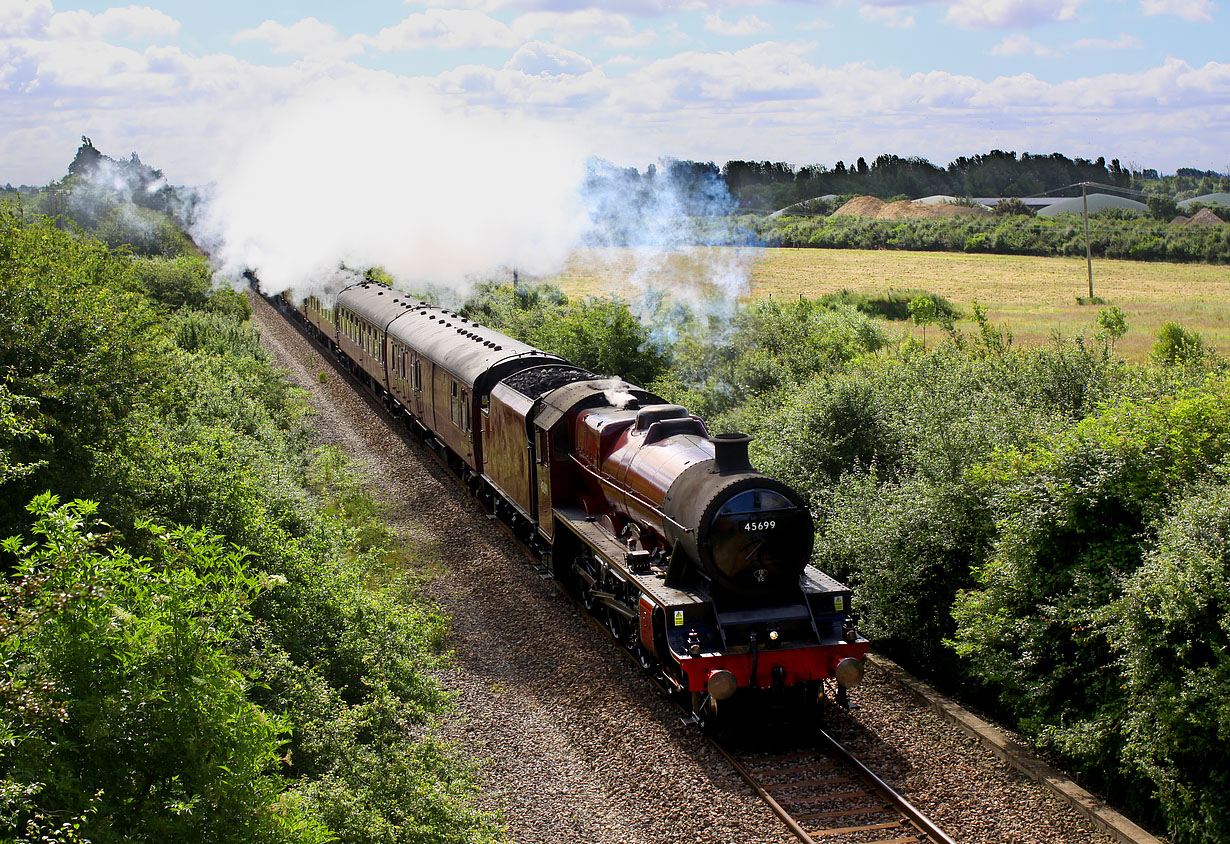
pixel 385 177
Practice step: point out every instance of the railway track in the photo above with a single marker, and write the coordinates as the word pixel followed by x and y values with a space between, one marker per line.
pixel 821 792
pixel 825 794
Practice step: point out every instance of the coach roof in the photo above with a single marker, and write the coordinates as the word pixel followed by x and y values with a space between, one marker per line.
pixel 464 348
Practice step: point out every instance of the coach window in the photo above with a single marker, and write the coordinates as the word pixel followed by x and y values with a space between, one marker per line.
pixel 456 407
pixel 485 405
pixel 465 411
pixel 542 448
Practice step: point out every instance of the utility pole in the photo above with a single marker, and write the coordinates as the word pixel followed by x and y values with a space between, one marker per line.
pixel 1088 251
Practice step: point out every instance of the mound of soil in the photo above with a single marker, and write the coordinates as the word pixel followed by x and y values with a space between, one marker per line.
pixel 870 206
pixel 1205 217
pixel 861 206
pixel 906 210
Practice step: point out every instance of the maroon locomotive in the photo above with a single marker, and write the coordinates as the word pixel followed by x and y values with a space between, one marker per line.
pixel 694 560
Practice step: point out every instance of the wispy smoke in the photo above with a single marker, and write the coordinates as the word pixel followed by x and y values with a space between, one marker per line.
pixel 439 199
pixel 683 251
pixel 391 179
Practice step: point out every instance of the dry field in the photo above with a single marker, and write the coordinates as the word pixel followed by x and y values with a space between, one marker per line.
pixel 1033 296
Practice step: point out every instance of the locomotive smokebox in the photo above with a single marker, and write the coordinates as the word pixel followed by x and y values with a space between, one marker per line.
pixel 730 453
pixel 749 534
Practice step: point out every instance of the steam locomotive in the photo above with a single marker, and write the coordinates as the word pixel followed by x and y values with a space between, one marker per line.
pixel 696 562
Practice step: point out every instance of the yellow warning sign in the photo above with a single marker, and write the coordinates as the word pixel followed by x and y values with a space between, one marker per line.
pixel 678 618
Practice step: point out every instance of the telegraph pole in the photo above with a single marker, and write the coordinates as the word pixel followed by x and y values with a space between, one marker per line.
pixel 1088 251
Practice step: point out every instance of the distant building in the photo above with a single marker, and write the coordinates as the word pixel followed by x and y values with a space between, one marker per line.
pixel 1097 202
pixel 1207 199
pixel 1034 202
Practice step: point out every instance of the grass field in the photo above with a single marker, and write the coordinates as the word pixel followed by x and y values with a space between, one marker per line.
pixel 1033 296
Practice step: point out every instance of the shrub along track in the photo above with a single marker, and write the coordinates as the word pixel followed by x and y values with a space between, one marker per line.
pixel 576 745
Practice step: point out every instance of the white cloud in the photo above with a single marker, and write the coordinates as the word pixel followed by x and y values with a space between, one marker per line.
pixel 996 14
pixel 627 42
pixel 627 7
pixel 1197 11
pixel 24 17
pixel 624 60
pixel 770 100
pixel 446 29
pixel 746 25
pixel 573 26
pixel 1123 42
pixel 815 24
pixel 137 23
pixel 1019 44
pixel 538 58
pixel 308 38
pixel 892 16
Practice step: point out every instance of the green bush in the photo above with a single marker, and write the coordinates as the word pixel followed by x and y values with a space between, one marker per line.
pixel 1177 345
pixel 1115 236
pixel 125 708
pixel 333 663
pixel 1171 632
pixel 1072 518
pixel 893 304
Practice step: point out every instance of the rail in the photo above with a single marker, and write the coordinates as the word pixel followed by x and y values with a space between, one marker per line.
pixel 815 793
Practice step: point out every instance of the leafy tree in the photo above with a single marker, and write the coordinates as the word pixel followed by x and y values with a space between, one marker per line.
pixel 1072 516
pixel 598 334
pixel 1113 324
pixel 1162 207
pixel 1010 206
pixel 18 427
pixel 124 707
pixel 88 352
pixel 1171 632
pixel 923 312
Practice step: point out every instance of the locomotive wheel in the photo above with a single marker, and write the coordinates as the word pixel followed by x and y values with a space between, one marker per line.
pixel 705 708
pixel 645 658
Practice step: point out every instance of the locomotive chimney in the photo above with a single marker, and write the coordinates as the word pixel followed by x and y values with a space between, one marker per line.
pixel 730 452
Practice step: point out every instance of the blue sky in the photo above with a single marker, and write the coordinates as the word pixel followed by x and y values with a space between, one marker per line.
pixel 1145 81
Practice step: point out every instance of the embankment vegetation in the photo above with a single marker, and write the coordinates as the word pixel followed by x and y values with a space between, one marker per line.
pixel 1044 532
pixel 198 637
pixel 1110 236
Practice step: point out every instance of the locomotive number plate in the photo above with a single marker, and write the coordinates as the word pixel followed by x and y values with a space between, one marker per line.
pixel 754 526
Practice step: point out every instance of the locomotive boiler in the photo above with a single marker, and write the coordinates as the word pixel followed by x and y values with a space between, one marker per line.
pixel 695 561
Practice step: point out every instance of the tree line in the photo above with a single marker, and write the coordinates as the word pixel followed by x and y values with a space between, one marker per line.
pixel 769 185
